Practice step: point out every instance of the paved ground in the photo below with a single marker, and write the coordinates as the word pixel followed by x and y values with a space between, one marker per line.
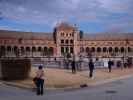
pixel 118 90
pixel 59 78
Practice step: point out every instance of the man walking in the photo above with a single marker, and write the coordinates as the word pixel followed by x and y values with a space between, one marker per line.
pixel 91 68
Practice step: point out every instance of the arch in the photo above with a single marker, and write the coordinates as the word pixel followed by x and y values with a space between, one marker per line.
pixel 27 49
pixel 2 50
pixel 71 41
pixel 22 49
pixel 104 49
pixel 15 48
pixel 45 51
pixel 66 41
pixel 39 49
pixel 110 49
pixel 92 49
pixel 9 48
pixel 129 49
pixel 33 49
pixel 81 49
pixel 116 49
pixel 98 49
pixel 87 49
pixel 51 51
pixel 122 49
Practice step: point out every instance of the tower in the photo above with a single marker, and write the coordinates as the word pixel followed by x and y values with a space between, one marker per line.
pixel 66 39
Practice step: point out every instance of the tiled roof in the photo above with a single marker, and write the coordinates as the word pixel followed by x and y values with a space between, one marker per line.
pixel 108 36
pixel 25 35
pixel 49 36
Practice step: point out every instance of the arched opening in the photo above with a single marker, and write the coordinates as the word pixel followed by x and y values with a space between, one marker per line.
pixel 22 50
pixel 110 49
pixel 9 49
pixel 16 50
pixel 122 49
pixel 129 49
pixel 39 49
pixel 51 51
pixel 33 49
pixel 104 49
pixel 98 49
pixel 116 49
pixel 45 52
pixel 87 49
pixel 81 49
pixel 2 51
pixel 71 41
pixel 27 49
pixel 67 42
pixel 92 49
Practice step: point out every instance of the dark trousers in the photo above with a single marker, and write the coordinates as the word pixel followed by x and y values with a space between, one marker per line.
pixel 73 70
pixel 109 68
pixel 91 73
pixel 39 84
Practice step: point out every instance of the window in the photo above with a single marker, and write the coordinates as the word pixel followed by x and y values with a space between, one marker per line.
pixel 71 49
pixel 62 41
pixel 62 50
pixel 62 34
pixel 67 49
pixel 67 34
pixel 71 41
pixel 66 42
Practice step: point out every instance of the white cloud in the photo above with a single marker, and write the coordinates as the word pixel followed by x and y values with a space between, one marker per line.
pixel 50 12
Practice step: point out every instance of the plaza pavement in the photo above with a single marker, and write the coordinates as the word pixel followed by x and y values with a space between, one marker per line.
pixel 60 78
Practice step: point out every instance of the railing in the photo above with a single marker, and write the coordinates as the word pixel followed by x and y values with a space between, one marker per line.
pixel 61 62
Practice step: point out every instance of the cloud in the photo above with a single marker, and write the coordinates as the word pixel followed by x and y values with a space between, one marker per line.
pixel 49 12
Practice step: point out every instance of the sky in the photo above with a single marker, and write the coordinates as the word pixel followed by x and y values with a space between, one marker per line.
pixel 92 16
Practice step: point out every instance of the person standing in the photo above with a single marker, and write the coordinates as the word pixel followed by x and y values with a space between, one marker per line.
pixel 110 65
pixel 73 67
pixel 91 68
pixel 40 80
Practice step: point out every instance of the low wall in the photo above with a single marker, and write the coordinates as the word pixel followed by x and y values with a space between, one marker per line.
pixel 12 69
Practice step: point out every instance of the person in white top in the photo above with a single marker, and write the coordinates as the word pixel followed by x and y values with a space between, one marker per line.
pixel 40 80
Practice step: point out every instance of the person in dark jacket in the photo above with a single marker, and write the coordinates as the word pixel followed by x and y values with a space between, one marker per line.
pixel 91 68
pixel 110 63
pixel 73 67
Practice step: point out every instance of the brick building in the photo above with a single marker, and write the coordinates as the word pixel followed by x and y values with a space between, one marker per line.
pixel 65 39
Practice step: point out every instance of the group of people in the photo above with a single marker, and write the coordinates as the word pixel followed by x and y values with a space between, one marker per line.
pixel 39 78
